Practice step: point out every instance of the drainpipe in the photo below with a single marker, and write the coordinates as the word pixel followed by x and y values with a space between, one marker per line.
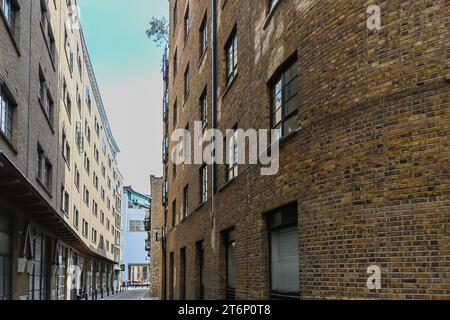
pixel 214 95
pixel 164 276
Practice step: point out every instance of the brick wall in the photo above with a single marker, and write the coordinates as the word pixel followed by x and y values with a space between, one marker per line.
pixel 155 235
pixel 368 168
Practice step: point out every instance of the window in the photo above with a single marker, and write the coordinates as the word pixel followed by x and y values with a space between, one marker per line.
pixel 96 154
pixel 45 98
pixel 174 213
pixel 174 14
pixel 186 24
pixel 285 101
pixel 272 4
pixel 87 164
pixel 284 257
pixel 204 108
pixel 186 83
pixel 231 57
pixel 60 274
pixel 47 29
pixel 68 50
pixel 9 9
pixel 232 155
pixel 65 201
pixel 86 196
pixel 183 274
pixel 95 181
pixel 6 111
pixel 137 226
pixel 77 178
pixel 94 208
pixel 230 246
pixel 102 217
pixel 85 230
pixel 101 243
pixel 87 131
pixel 201 268
pixel 80 64
pixel 65 149
pixel 204 184
pixel 76 217
pixel 186 201
pixel 94 236
pixel 175 114
pixel 175 63
pixel 203 36
pixel 78 100
pixel 67 100
pixel 38 279
pixel 172 275
pixel 97 127
pixel 44 169
pixel 87 94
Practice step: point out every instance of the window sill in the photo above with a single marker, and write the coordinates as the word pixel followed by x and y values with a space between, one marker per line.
pixel 66 162
pixel 202 58
pixel 10 33
pixel 228 183
pixel 283 296
pixel 9 143
pixel 69 115
pixel 230 84
pixel 290 136
pixel 282 141
pixel 46 189
pixel 186 97
pixel 270 15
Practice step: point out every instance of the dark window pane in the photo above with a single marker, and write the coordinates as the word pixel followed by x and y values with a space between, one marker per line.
pixel 290 125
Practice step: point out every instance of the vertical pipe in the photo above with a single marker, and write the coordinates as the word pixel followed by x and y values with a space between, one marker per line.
pixel 214 96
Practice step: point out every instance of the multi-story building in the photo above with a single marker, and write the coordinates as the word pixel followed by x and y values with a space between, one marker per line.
pixel 136 210
pixel 361 117
pixel 57 159
pixel 156 231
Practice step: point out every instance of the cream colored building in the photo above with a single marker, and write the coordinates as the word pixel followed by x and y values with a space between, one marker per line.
pixel 60 187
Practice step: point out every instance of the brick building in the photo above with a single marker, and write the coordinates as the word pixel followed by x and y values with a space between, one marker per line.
pixel 155 236
pixel 60 188
pixel 362 117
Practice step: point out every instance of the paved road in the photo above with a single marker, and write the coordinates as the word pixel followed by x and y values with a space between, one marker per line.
pixel 132 294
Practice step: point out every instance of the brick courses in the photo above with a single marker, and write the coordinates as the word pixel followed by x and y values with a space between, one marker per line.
pixel 368 168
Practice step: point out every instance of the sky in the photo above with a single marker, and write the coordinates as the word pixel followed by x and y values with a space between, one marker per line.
pixel 128 69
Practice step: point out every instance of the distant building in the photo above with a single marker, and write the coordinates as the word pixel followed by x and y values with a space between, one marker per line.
pixel 59 177
pixel 156 235
pixel 136 207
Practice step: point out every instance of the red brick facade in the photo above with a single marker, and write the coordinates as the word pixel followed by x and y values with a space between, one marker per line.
pixel 367 169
